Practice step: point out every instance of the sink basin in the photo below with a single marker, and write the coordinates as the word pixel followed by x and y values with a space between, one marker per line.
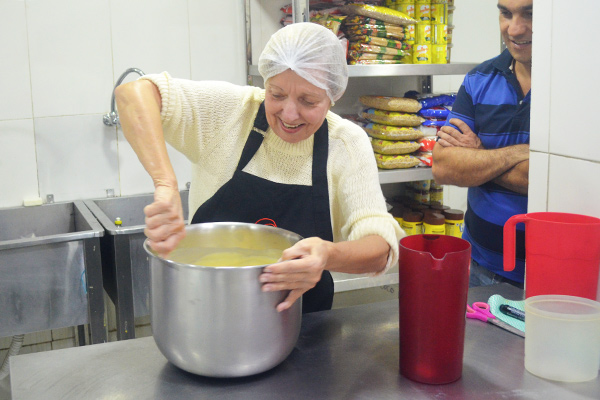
pixel 125 264
pixel 50 269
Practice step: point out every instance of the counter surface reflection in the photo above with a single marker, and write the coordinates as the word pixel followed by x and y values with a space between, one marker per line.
pixel 348 353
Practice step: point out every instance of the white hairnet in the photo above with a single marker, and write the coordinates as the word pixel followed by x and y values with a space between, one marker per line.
pixel 311 51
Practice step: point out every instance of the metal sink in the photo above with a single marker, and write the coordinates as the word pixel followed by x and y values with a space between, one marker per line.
pixel 50 269
pixel 125 265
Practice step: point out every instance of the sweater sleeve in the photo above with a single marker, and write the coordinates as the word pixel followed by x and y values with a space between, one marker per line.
pixel 197 116
pixel 358 206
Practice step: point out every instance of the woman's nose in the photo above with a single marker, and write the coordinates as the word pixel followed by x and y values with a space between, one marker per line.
pixel 290 111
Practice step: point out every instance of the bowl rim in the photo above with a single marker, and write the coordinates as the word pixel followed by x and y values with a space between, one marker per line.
pixel 196 226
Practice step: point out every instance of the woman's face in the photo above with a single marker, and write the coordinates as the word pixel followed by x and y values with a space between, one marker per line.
pixel 295 108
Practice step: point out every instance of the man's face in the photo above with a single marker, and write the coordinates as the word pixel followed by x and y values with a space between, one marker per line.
pixel 515 28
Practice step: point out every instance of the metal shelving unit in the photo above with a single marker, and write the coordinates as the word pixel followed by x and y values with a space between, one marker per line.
pixel 399 70
pixel 424 71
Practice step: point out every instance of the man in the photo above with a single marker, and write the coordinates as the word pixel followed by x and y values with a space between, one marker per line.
pixel 486 146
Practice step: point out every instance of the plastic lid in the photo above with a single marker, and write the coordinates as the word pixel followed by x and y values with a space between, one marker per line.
pixel 433 218
pixel 412 216
pixel 439 207
pixel 454 214
pixel 419 207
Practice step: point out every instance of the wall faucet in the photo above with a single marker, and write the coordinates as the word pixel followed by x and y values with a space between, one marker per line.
pixel 112 118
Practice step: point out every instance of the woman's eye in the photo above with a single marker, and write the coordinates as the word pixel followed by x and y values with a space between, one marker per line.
pixel 277 96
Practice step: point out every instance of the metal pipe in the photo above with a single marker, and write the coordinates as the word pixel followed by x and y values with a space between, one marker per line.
pixel 112 118
pixel 248 15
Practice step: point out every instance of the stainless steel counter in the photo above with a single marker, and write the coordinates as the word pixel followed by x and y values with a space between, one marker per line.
pixel 348 353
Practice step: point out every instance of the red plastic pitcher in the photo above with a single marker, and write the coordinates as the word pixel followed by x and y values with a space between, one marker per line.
pixel 562 253
pixel 434 281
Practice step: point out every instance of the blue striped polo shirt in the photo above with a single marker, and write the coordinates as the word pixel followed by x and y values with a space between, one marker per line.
pixel 491 102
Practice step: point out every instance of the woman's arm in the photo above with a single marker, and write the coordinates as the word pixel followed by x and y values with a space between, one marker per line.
pixel 303 264
pixel 139 105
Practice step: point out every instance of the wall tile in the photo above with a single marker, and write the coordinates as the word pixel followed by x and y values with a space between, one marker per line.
pixel 5 342
pixel 63 344
pixel 133 177
pixel 77 157
pixel 573 103
pixel 37 337
pixel 143 331
pixel 18 172
pixel 63 333
pixel 541 79
pixel 70 54
pixel 152 35
pixel 15 103
pixel 538 182
pixel 218 49
pixel 36 348
pixel 573 186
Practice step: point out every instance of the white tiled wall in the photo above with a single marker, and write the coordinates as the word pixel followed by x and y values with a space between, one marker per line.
pixel 566 162
pixel 57 74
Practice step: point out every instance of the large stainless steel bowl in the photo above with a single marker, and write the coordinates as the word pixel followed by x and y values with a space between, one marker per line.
pixel 216 321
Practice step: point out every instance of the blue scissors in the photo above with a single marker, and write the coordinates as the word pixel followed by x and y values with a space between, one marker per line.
pixel 481 311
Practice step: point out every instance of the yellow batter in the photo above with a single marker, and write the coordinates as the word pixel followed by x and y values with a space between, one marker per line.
pixel 225 257
pixel 234 259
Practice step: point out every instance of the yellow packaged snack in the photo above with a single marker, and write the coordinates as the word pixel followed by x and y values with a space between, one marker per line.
pixel 392 117
pixel 374 62
pixel 390 103
pixel 357 55
pixel 439 54
pixel 371 48
pixel 395 161
pixel 422 54
pixel 390 132
pixel 382 13
pixel 394 146
pixel 379 41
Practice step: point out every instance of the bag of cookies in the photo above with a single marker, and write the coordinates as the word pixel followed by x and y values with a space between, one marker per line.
pixel 377 12
pixel 394 146
pixel 383 31
pixel 388 103
pixel 391 117
pixel 390 132
pixel 385 161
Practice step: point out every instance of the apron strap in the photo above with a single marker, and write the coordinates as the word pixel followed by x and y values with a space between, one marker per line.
pixel 319 181
pixel 256 137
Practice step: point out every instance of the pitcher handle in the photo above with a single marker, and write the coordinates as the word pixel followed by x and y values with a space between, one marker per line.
pixel 510 240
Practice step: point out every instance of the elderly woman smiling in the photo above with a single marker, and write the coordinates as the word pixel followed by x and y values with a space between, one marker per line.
pixel 276 153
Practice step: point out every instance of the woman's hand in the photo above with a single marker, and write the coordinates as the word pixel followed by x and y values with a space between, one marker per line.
pixel 299 270
pixel 165 226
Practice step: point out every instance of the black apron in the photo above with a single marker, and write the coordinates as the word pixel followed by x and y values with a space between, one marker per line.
pixel 297 208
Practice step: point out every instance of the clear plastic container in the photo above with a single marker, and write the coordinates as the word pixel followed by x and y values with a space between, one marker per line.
pixel 562 337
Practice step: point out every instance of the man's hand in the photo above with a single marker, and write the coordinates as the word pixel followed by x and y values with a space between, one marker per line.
pixel 461 137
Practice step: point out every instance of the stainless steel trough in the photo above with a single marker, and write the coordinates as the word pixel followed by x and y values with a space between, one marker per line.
pixel 50 269
pixel 125 264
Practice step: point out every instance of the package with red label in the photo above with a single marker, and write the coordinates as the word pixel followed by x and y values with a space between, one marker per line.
pixel 425 157
pixel 427 143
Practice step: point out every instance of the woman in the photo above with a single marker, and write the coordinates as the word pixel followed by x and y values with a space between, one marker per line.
pixel 274 153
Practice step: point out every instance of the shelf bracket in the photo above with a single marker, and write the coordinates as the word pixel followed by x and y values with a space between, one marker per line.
pixel 425 84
